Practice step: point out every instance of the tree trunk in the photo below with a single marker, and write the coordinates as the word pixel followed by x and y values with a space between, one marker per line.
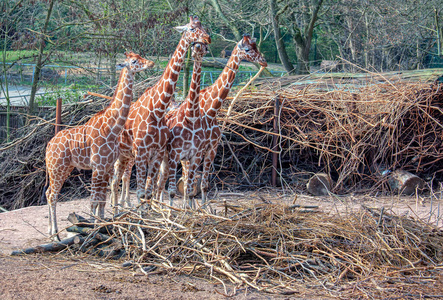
pixel 5 87
pixel 439 33
pixel 302 52
pixel 39 64
pixel 281 49
pixel 303 39
pixel 234 29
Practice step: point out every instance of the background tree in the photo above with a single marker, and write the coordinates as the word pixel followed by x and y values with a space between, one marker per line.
pixel 9 14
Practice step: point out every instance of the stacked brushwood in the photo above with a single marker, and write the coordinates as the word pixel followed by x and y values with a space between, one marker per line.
pixel 271 247
pixel 357 136
pixel 22 161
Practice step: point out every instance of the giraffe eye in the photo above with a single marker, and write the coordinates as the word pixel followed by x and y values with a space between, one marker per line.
pixel 134 61
pixel 192 29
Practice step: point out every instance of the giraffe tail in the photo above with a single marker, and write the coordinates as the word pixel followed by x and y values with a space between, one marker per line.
pixel 43 199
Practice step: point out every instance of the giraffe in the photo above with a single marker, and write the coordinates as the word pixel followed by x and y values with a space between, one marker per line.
pixel 187 135
pixel 92 146
pixel 143 140
pixel 212 97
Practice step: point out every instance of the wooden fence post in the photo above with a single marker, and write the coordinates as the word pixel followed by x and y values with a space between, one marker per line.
pixel 58 115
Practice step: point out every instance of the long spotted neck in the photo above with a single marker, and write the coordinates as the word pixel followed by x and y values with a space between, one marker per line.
pixel 216 93
pixel 118 111
pixel 192 108
pixel 165 87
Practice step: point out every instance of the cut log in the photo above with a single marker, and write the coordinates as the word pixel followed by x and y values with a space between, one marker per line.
pixel 51 247
pixel 86 231
pixel 196 190
pixel 320 184
pixel 79 220
pixel 405 183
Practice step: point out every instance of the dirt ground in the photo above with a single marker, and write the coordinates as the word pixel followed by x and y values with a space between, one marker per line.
pixel 43 276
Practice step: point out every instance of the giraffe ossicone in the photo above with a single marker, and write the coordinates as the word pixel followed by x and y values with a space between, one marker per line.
pixel 93 145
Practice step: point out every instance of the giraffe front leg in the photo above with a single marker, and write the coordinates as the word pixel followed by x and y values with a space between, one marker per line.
pixel 141 167
pixel 102 194
pixel 190 179
pixel 153 169
pixel 52 202
pixel 125 199
pixel 172 171
pixel 207 164
pixel 118 173
pixel 162 178
pixel 98 187
pixel 57 176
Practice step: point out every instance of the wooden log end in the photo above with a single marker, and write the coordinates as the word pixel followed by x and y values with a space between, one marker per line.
pixel 405 183
pixel 320 184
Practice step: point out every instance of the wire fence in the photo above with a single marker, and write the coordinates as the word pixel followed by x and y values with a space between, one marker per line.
pixel 59 80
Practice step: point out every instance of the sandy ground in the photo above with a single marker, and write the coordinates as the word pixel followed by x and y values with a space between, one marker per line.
pixel 41 276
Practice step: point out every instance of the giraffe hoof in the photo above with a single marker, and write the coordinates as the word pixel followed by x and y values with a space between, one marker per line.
pixel 55 238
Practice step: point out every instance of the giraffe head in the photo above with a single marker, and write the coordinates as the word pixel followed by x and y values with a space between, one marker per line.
pixel 247 49
pixel 193 32
pixel 136 63
pixel 198 50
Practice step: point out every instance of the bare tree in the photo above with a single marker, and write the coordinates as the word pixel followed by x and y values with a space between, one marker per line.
pixel 279 43
pixel 9 17
pixel 43 37
pixel 303 19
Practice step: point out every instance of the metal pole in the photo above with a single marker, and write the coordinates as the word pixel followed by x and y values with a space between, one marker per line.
pixel 274 141
pixel 58 115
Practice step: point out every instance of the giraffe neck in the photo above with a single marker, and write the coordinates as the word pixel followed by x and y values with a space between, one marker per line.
pixel 161 93
pixel 118 111
pixel 215 94
pixel 192 109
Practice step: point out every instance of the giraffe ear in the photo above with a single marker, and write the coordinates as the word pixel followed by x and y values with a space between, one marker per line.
pixel 181 28
pixel 122 65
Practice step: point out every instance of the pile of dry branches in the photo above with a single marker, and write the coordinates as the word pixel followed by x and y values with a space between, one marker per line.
pixel 354 135
pixel 274 248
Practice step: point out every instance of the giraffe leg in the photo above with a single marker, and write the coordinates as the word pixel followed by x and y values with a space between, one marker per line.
pixel 190 178
pixel 185 173
pixel 140 164
pixel 154 167
pixel 207 164
pixel 118 173
pixel 98 186
pixel 56 179
pixel 172 188
pixel 52 203
pixel 102 194
pixel 124 199
pixel 162 178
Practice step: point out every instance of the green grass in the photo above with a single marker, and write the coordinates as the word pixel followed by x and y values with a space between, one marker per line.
pixel 68 95
pixel 25 56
